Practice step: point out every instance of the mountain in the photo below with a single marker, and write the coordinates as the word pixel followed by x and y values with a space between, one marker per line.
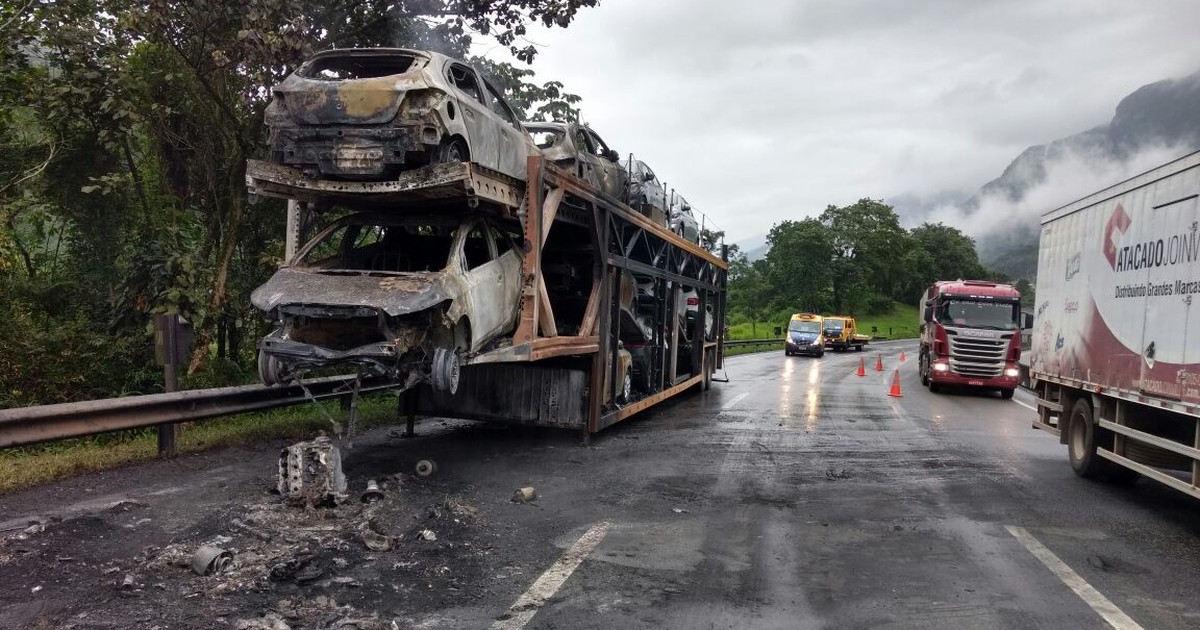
pixel 1158 115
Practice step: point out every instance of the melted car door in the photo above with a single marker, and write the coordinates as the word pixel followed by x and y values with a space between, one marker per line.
pixel 484 277
pixel 608 174
pixel 512 139
pixel 482 137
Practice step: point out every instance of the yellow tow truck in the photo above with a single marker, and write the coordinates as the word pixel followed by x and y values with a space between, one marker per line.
pixel 841 334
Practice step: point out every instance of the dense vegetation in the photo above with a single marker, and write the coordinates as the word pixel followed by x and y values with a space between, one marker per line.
pixel 125 126
pixel 854 260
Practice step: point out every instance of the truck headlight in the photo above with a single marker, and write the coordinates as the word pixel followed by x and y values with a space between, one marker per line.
pixel 941 367
pixel 1012 372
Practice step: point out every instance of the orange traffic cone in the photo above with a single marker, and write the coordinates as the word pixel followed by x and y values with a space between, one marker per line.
pixel 902 356
pixel 862 367
pixel 878 362
pixel 895 390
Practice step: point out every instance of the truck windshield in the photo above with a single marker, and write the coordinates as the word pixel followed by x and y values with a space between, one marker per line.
pixel 802 326
pixel 974 314
pixel 834 327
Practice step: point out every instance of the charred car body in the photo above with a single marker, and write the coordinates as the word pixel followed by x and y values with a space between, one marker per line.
pixel 580 150
pixel 683 220
pixel 468 268
pixel 646 193
pixel 401 296
pixel 367 114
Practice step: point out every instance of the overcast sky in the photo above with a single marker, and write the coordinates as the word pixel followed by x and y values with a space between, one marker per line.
pixel 782 107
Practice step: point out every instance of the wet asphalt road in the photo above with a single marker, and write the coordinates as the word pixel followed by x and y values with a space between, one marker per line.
pixel 797 495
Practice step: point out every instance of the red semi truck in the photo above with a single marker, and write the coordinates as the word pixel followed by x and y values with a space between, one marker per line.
pixel 971 335
pixel 1116 357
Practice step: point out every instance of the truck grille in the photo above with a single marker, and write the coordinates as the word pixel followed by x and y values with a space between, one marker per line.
pixel 977 358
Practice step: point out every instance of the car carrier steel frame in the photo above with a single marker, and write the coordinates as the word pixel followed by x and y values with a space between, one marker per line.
pixel 551 370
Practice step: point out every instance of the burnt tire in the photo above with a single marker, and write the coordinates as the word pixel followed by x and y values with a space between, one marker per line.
pixel 451 151
pixel 447 368
pixel 272 371
pixel 1082 438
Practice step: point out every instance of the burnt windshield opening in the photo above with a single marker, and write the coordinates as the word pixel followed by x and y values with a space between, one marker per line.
pixel 979 314
pixel 545 138
pixel 403 248
pixel 357 67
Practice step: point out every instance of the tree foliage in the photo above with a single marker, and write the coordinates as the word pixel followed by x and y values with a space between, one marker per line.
pixel 852 260
pixel 125 126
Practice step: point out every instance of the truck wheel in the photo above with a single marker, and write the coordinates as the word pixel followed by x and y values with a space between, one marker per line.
pixel 934 387
pixel 820 353
pixel 922 366
pixel 1007 394
pixel 1082 438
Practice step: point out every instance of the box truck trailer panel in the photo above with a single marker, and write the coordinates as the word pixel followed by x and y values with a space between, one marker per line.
pixel 1118 287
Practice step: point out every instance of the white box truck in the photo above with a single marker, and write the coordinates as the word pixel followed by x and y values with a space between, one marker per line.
pixel 1116 349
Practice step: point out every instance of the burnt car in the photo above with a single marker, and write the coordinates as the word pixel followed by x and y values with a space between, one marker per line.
pixel 646 193
pixel 370 113
pixel 683 220
pixel 408 297
pixel 580 150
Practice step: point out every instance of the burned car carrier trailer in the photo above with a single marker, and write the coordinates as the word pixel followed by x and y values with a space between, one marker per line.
pixel 491 298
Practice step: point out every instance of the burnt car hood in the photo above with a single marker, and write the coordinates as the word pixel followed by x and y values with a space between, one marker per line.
pixel 393 293
pixel 373 101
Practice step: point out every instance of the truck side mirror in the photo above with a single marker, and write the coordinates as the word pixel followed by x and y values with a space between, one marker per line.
pixel 929 312
pixel 1026 321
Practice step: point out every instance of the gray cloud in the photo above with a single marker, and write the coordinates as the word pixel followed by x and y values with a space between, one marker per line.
pixel 765 111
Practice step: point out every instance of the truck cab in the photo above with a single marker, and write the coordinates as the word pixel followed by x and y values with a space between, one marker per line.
pixel 971 336
pixel 805 335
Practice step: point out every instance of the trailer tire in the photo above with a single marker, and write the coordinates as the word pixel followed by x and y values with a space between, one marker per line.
pixel 1082 438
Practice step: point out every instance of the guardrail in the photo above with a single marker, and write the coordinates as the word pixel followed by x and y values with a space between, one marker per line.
pixel 45 423
pixel 742 343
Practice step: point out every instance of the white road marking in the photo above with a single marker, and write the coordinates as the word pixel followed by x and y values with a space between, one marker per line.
pixel 1090 596
pixel 736 399
pixel 547 585
pixel 1025 405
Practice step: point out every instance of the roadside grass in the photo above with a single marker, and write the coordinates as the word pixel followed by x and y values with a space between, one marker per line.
pixel 40 463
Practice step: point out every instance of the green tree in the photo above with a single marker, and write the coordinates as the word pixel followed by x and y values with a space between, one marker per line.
pixel 798 265
pixel 870 244
pixel 125 127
